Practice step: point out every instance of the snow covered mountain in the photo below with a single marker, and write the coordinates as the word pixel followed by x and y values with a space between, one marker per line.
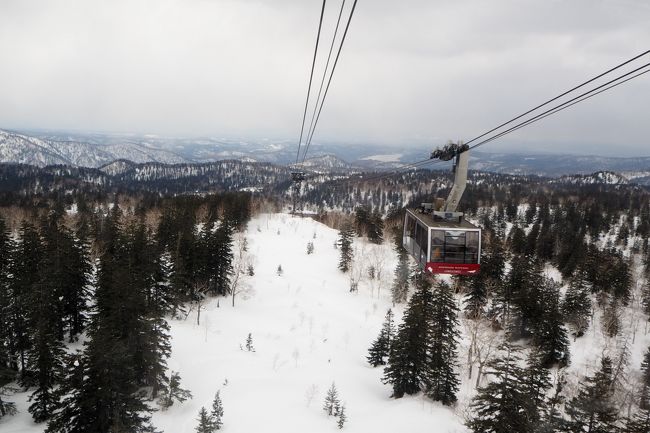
pixel 25 149
pixel 326 163
pixel 599 177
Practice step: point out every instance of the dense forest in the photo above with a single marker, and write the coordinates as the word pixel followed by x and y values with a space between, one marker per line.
pixel 109 276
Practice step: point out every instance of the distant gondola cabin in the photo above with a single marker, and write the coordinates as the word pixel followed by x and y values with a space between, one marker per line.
pixel 442 246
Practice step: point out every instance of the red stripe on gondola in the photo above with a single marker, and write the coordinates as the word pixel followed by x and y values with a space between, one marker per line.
pixel 452 268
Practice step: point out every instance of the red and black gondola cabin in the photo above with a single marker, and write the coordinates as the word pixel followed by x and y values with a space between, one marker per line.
pixel 442 246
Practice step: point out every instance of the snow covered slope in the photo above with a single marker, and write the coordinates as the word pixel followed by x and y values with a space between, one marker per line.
pixel 308 330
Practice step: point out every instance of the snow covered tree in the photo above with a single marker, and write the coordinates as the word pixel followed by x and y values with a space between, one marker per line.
pixel 408 368
pixel 593 409
pixel 400 287
pixel 69 396
pixel 310 247
pixel 518 240
pixel 526 288
pixel 342 417
pixel 376 228
pixel 476 298
pixel 442 381
pixel 639 423
pixel 161 298
pixel 206 422
pixel 173 391
pixel 549 335
pixel 279 271
pixel 217 411
pixel 249 343
pixel 503 406
pixel 7 370
pixel 346 236
pixel 611 318
pixel 331 400
pixel 536 385
pixel 25 264
pixel 644 402
pixel 45 355
pixel 223 258
pixel 362 221
pixel 380 348
pixel 576 306
pixel 6 407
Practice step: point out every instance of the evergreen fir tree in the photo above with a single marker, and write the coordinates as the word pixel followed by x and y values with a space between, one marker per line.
pixel 249 343
pixel 503 406
pixel 27 259
pixel 549 335
pixel 593 410
pixel 206 422
pixel 362 220
pixel 645 294
pixel 639 423
pixel 518 240
pixel 331 400
pixel 644 402
pixel 342 417
pixel 493 262
pixel 611 321
pixel 408 361
pixel 346 235
pixel 553 420
pixel 161 297
pixel 442 382
pixel 376 228
pixel 68 415
pixel 380 348
pixel 224 254
pixel 7 370
pixel 400 287
pixel 576 306
pixel 76 293
pixel 310 247
pixel 217 411
pixel 476 298
pixel 45 356
pixel 7 365
pixel 536 385
pixel 173 391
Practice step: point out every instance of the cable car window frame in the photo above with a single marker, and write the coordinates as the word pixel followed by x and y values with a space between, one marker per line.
pixel 455 246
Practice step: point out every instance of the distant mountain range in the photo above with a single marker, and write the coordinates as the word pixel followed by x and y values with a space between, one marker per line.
pixel 25 149
pixel 115 151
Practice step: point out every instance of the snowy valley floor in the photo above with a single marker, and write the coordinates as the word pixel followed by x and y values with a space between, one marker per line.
pixel 308 331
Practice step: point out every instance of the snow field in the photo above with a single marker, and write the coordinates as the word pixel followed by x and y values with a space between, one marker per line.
pixel 308 330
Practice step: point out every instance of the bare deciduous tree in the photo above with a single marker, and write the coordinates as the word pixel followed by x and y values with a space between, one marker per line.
pixel 242 260
pixel 483 343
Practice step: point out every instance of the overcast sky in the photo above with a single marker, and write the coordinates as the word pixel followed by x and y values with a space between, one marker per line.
pixel 411 71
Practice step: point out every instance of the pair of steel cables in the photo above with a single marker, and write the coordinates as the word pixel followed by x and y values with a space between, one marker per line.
pixel 320 99
pixel 501 130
